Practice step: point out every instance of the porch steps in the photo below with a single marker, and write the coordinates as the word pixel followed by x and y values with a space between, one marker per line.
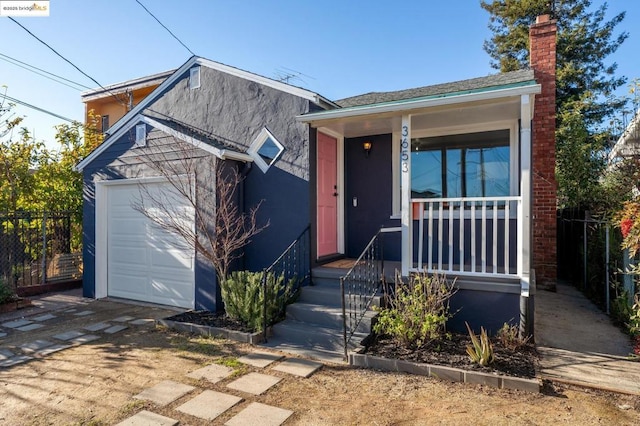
pixel 313 325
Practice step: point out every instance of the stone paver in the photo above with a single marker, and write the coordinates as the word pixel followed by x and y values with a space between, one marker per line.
pixel 52 349
pixel 45 317
pixel 115 329
pixel 68 335
pixel 143 321
pixel 17 323
pixel 30 327
pixel 2 334
pixel 83 313
pixel 254 383
pixel 164 392
pixel 260 359
pixel 5 353
pixel 84 339
pixel 260 414
pixel 298 367
pixel 213 373
pixel 35 346
pixel 209 404
pixel 97 326
pixel 70 311
pixel 10 362
pixel 147 418
pixel 124 318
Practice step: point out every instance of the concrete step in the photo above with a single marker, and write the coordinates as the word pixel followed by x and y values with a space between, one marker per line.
pixel 329 296
pixel 325 316
pixel 311 340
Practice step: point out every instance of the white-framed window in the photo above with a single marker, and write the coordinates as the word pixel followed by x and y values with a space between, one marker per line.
pixel 141 135
pixel 265 150
pixel 194 78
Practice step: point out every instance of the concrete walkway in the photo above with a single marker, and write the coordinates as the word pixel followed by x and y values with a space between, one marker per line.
pixel 579 344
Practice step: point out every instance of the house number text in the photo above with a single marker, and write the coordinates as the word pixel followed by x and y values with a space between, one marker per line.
pixel 404 152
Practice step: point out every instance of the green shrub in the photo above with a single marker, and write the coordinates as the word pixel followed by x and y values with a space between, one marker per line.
pixel 243 297
pixel 634 317
pixel 509 337
pixel 481 350
pixel 418 311
pixel 6 293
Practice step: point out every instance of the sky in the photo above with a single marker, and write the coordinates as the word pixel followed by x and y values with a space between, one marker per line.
pixel 337 48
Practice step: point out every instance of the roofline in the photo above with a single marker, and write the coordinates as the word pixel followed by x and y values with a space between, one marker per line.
pixel 420 103
pixel 121 87
pixel 223 154
pixel 195 60
pixel 633 127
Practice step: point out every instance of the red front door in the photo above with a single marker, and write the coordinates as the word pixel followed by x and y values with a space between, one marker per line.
pixel 327 219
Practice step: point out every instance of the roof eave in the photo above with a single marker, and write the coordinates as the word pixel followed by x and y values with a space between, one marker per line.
pixel 418 103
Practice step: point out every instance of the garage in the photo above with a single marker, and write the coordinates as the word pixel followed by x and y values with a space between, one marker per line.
pixel 144 261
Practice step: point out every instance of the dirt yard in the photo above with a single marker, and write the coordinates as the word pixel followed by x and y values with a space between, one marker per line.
pixel 93 384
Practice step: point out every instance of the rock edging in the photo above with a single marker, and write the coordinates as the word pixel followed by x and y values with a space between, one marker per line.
pixel 444 373
pixel 205 330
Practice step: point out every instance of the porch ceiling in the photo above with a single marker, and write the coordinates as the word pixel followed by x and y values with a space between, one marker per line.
pixel 424 119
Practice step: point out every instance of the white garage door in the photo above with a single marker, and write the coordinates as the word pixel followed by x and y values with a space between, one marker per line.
pixel 144 261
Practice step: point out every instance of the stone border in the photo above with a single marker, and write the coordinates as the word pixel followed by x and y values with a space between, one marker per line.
pixel 445 373
pixel 205 330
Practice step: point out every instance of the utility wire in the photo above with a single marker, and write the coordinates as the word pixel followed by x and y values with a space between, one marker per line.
pixel 68 61
pixel 18 101
pixel 163 26
pixel 43 73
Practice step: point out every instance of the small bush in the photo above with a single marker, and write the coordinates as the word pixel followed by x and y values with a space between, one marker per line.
pixel 481 350
pixel 243 297
pixel 634 317
pixel 418 310
pixel 509 337
pixel 6 293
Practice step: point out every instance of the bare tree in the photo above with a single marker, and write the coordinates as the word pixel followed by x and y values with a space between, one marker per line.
pixel 208 190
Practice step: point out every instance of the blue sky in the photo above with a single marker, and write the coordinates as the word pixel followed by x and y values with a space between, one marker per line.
pixel 341 48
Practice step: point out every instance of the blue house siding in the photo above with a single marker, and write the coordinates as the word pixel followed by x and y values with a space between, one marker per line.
pixel 228 111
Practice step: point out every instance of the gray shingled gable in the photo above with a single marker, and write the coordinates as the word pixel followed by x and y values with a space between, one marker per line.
pixel 502 79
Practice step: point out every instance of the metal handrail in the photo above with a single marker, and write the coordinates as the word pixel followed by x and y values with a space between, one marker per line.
pixel 363 280
pixel 294 262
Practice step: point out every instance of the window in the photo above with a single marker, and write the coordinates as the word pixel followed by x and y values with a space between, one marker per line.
pixel 141 135
pixel 105 123
pixel 265 150
pixel 465 165
pixel 194 78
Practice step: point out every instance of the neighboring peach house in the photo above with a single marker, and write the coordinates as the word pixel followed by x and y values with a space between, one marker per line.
pixel 112 102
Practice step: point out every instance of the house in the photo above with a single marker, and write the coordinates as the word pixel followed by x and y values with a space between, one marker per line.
pixel 112 102
pixel 628 145
pixel 459 175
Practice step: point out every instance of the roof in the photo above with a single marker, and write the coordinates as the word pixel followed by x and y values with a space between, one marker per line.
pixel 504 85
pixel 135 115
pixel 629 142
pixel 122 87
pixel 457 87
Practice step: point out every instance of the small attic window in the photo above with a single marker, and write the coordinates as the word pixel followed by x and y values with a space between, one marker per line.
pixel 194 78
pixel 265 150
pixel 141 135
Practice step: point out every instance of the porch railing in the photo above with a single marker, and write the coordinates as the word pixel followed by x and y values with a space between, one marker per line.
pixel 468 236
pixel 359 287
pixel 294 264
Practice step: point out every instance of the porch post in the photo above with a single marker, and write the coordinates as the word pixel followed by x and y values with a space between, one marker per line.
pixel 524 209
pixel 405 182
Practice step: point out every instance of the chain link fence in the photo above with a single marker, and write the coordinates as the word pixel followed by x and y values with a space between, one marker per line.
pixel 38 248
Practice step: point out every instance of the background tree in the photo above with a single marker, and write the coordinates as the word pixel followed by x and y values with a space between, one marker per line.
pixel 585 81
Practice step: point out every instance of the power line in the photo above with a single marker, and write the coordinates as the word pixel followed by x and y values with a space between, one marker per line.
pixel 163 26
pixel 18 101
pixel 42 72
pixel 68 61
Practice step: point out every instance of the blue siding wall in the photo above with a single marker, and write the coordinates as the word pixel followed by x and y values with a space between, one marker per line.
pixel 369 180
pixel 232 111
pixel 488 309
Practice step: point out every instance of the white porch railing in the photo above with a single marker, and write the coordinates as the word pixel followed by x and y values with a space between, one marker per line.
pixel 468 236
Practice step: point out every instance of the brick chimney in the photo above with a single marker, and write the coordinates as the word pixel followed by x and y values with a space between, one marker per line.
pixel 542 46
